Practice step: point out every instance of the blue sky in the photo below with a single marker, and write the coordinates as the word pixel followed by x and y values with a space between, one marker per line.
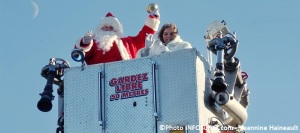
pixel 267 31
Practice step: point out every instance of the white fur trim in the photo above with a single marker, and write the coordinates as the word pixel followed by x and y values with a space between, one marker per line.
pixel 152 23
pixel 85 49
pixel 122 50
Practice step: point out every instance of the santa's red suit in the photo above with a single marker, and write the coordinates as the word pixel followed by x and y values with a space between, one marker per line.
pixel 122 48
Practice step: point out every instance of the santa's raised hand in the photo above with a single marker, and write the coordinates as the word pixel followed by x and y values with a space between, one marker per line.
pixel 88 37
pixel 153 10
pixel 155 13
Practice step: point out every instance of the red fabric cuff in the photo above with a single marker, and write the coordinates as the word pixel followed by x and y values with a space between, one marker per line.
pixel 83 45
pixel 151 16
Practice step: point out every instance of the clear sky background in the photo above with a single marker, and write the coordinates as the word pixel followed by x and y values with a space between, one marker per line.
pixel 268 32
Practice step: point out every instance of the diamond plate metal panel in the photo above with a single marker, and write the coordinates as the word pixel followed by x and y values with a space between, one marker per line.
pixel 177 90
pixel 181 83
pixel 182 90
pixel 129 114
pixel 81 100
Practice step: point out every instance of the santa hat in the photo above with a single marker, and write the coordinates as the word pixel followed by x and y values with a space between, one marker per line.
pixel 111 20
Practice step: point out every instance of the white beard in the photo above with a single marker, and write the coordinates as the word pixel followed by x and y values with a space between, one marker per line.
pixel 105 40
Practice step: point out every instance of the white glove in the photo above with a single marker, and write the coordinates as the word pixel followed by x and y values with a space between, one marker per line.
pixel 149 40
pixel 155 13
pixel 145 52
pixel 88 37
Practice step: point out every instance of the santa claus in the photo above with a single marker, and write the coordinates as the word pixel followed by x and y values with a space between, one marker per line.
pixel 107 43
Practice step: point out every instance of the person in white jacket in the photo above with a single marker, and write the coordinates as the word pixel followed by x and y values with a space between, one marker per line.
pixel 168 41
